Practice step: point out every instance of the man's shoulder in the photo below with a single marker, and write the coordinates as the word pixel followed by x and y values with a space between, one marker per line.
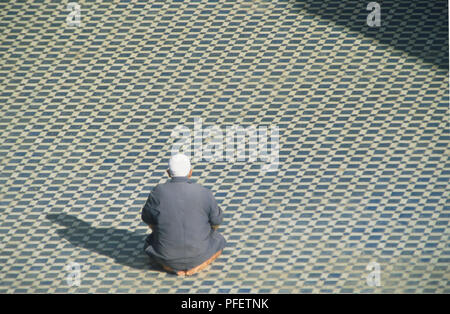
pixel 159 187
pixel 198 185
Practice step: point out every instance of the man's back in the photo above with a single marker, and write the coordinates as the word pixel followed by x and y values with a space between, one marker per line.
pixel 182 213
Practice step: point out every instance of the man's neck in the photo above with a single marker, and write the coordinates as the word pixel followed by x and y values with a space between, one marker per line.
pixel 180 179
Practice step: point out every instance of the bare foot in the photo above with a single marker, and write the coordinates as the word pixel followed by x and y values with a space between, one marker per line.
pixel 181 273
pixel 170 270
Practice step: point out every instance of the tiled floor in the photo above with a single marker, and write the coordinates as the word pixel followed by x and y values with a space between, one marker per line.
pixel 86 114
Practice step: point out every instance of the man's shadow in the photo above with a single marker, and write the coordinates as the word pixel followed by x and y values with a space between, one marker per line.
pixel 124 246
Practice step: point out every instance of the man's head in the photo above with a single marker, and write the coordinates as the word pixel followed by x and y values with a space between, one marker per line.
pixel 179 166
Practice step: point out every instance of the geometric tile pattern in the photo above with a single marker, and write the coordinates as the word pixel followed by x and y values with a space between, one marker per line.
pixel 86 115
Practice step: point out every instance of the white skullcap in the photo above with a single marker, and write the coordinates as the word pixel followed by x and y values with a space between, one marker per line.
pixel 179 165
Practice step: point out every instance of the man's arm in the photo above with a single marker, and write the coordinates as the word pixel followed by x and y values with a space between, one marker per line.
pixel 215 213
pixel 150 210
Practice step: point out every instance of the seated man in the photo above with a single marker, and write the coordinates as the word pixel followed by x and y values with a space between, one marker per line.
pixel 183 216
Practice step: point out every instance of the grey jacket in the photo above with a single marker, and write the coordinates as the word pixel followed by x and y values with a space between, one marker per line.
pixel 182 213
